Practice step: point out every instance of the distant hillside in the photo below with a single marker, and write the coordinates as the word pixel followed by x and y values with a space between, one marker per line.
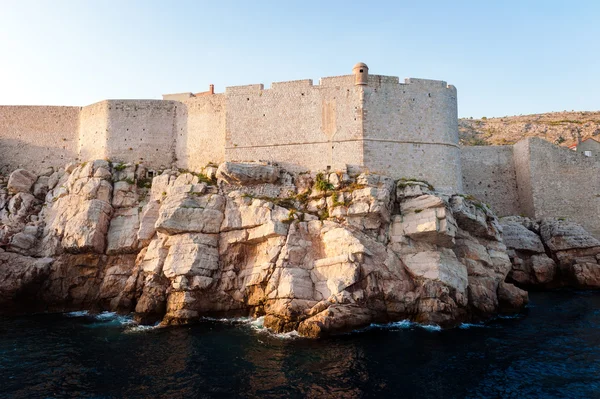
pixel 557 127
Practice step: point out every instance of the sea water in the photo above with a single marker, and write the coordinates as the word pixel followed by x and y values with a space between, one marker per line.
pixel 550 351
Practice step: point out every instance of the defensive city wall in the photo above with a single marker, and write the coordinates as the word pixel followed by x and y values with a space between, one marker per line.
pixel 357 122
pixel 537 179
pixel 352 122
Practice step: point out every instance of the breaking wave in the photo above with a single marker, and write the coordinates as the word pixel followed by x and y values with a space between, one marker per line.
pixel 402 325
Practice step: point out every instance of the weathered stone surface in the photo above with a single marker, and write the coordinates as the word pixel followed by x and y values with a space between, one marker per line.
pixel 20 278
pixel 40 188
pixel 335 319
pixel 574 249
pixel 103 173
pixel 20 181
pixel 383 252
pixel 586 274
pixel 182 214
pixel 482 294
pixel 474 217
pixel 518 237
pixel 23 241
pixel 148 219
pixel 544 268
pixel 438 266
pixel 247 173
pixel 191 255
pixel 87 229
pixel 562 235
pixel 244 212
pixel 407 189
pixel 20 206
pixel 123 231
pixel 433 225
pixel 511 298
pixel 124 195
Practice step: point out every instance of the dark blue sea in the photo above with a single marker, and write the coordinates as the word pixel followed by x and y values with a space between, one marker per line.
pixel 551 351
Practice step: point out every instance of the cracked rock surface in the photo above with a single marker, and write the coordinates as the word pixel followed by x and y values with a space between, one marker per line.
pixel 316 253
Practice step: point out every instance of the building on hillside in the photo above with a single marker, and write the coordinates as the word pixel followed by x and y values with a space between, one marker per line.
pixel 589 147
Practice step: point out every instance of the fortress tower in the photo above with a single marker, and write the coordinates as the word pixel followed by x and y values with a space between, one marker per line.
pixel 351 122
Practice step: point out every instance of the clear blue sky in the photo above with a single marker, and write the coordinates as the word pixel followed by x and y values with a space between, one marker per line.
pixel 504 57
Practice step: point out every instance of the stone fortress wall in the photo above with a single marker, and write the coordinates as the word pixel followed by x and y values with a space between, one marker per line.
pixel 489 175
pixel 348 123
pixel 411 129
pixel 537 179
pixel 37 137
pixel 351 122
pixel 300 125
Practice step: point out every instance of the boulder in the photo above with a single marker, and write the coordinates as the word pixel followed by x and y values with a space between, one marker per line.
pixel 123 232
pixel 511 299
pixel 191 255
pixel 586 274
pixel 21 206
pixel 191 213
pixel 124 195
pixel 439 266
pixel 20 278
pixel 335 319
pixel 543 268
pixel 148 219
pixel 20 181
pixel 518 237
pixel 474 217
pixel 561 235
pixel 433 225
pixel 86 230
pixel 41 187
pixel 247 173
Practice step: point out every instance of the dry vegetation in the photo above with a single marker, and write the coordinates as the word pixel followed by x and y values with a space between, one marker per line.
pixel 557 127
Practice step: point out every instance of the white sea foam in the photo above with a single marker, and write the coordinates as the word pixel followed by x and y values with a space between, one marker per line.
pixel 114 318
pixel 256 325
pixel 232 320
pixel 510 316
pixel 465 326
pixel 105 316
pixel 402 325
pixel 137 328
pixel 80 313
pixel 430 327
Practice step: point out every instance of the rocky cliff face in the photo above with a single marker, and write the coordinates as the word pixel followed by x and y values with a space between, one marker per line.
pixel 556 127
pixel 318 253
pixel 551 253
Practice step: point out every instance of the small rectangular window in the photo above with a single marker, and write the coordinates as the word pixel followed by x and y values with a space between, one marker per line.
pixel 587 153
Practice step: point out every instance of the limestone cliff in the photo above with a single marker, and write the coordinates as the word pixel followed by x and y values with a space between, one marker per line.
pixel 316 253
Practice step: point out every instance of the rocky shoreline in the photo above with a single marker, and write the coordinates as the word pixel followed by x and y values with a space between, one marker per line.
pixel 315 253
